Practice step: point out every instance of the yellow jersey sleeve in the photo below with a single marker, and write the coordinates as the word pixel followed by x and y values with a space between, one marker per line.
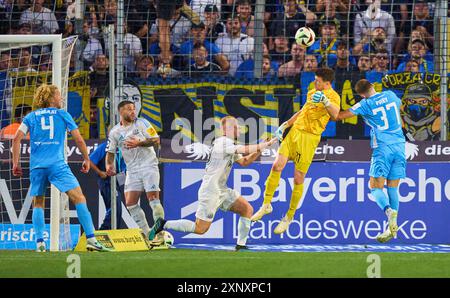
pixel 334 98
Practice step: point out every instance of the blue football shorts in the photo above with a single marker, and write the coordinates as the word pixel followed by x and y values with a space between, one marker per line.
pixel 388 161
pixel 59 175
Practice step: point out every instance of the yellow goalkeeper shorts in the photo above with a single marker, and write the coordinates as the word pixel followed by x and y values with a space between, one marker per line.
pixel 299 146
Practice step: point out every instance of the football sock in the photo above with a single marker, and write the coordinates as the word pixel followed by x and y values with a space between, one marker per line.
pixel 38 223
pixel 180 225
pixel 84 216
pixel 296 196
pixel 381 199
pixel 157 209
pixel 393 197
pixel 271 186
pixel 138 216
pixel 243 229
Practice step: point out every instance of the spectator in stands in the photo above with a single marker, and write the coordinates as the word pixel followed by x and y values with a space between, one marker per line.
pixel 45 63
pixel 237 46
pixel 199 7
pixel 69 29
pixel 8 132
pixel 330 13
pixel 165 10
pixel 295 66
pixel 310 64
pixel 42 19
pixel 198 36
pixel 110 15
pixel 421 21
pixel 179 27
pixel 418 52
pixel 267 71
pixel 90 24
pixel 141 15
pixel 92 48
pixel 322 5
pixel 5 61
pixel 247 68
pixel 132 49
pixel 364 62
pixel 213 25
pixel 24 61
pixel 202 67
pixel 10 12
pixel 380 61
pixel 412 66
pixel 343 64
pixel 371 19
pixel 324 48
pixel 99 77
pixel 371 43
pixel 281 52
pixel 144 68
pixel 24 28
pixel 247 20
pixel 291 19
pixel 166 71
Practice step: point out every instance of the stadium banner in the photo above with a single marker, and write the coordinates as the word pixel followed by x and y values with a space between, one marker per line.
pixel 23 85
pixel 177 106
pixel 336 207
pixel 117 240
pixel 328 150
pixel 22 236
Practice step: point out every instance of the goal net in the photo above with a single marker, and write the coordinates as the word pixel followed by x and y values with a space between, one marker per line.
pixel 26 62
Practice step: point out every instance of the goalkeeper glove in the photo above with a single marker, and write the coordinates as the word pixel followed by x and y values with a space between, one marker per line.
pixel 280 131
pixel 318 96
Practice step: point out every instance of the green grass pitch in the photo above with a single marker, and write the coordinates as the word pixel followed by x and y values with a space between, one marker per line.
pixel 223 264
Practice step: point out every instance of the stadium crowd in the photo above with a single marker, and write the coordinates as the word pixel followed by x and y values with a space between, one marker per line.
pixel 218 36
pixel 351 35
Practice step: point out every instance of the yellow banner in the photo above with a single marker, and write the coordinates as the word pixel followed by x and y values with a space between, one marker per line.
pixel 25 83
pixel 117 240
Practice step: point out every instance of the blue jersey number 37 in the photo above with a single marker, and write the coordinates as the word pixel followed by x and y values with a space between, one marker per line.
pixel 384 116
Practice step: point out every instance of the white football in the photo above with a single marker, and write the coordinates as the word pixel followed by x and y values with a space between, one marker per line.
pixel 168 238
pixel 305 37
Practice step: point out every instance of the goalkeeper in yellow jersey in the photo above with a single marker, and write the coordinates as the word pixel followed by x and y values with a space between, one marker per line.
pixel 300 143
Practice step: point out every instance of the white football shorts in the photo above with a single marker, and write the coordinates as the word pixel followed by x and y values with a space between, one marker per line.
pixel 209 202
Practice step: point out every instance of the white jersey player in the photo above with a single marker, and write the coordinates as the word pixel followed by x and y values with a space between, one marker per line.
pixel 214 193
pixel 136 138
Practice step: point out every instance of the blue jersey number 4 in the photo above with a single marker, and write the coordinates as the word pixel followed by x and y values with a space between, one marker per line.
pixel 50 127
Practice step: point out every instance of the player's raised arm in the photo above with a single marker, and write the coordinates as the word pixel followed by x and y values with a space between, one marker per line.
pixel 83 149
pixel 248 149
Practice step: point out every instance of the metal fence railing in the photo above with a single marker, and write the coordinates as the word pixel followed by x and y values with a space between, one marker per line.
pixel 241 39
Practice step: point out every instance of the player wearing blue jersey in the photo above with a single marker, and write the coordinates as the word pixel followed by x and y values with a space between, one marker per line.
pixel 47 127
pixel 381 111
